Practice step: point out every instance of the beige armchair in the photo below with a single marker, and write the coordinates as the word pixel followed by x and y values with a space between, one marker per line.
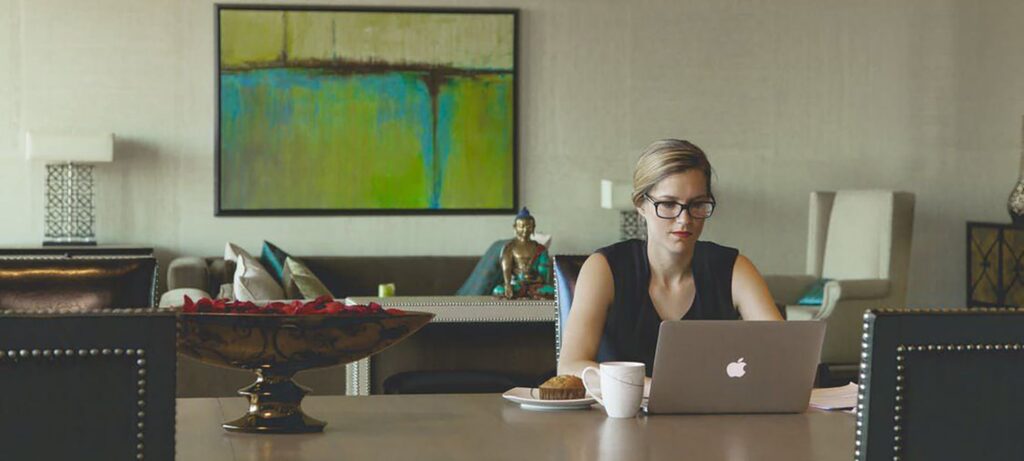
pixel 861 240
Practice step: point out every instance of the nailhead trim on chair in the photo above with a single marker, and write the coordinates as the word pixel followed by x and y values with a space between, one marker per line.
pixel 91 313
pixel 558 318
pixel 899 400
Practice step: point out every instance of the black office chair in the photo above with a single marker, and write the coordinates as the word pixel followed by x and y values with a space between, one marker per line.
pixel 941 384
pixel 97 385
pixel 567 270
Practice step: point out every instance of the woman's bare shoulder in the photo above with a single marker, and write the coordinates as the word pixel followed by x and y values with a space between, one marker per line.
pixel 595 279
pixel 596 264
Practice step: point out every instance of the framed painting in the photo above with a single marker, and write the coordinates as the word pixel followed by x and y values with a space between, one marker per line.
pixel 324 110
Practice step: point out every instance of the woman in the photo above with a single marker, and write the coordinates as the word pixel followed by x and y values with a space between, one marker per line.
pixel 625 290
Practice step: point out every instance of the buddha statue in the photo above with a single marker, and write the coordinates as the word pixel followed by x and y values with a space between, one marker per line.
pixel 525 264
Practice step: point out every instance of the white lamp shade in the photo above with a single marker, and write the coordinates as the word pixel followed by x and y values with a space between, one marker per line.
pixel 63 147
pixel 616 195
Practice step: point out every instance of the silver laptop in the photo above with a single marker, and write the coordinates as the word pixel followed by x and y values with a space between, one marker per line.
pixel 708 366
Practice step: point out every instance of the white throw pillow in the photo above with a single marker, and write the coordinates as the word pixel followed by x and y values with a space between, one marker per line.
pixel 251 281
pixel 176 297
pixel 227 291
pixel 231 252
pixel 301 282
pixel 543 239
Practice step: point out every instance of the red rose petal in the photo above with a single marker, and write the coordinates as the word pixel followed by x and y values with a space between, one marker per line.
pixel 323 305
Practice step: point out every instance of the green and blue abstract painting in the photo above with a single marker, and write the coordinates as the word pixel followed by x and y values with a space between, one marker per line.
pixel 326 111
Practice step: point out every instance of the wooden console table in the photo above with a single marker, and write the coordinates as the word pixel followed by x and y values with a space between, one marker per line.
pixel 452 309
pixel 995 265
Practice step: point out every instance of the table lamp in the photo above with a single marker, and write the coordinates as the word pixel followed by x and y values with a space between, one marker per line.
pixel 70 211
pixel 619 196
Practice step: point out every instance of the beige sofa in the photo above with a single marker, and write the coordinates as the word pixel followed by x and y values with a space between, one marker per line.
pixel 345 276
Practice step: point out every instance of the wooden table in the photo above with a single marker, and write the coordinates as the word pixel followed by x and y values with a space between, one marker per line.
pixel 484 426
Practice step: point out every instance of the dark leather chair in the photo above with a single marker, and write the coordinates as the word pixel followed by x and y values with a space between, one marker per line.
pixel 567 270
pixel 96 385
pixel 79 283
pixel 941 384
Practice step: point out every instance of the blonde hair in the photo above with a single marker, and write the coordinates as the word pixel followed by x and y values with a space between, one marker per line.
pixel 664 158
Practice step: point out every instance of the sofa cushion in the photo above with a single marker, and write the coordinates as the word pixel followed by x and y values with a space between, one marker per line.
pixel 221 271
pixel 301 282
pixel 231 252
pixel 252 282
pixel 814 293
pixel 188 272
pixel 486 274
pixel 273 259
pixel 226 291
pixel 361 275
pixel 176 297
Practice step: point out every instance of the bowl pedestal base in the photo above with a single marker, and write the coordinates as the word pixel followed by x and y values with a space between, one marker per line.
pixel 275 407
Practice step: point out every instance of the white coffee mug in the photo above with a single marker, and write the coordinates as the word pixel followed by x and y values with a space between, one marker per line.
pixel 622 387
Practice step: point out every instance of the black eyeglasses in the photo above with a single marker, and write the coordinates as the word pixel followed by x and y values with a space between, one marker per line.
pixel 700 209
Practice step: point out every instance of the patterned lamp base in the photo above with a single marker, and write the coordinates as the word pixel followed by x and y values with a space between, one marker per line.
pixel 69 205
pixel 631 225
pixel 1015 204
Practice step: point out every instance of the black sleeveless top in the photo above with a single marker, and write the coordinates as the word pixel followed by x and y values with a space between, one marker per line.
pixel 631 328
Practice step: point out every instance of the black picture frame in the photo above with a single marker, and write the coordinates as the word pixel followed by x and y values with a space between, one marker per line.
pixel 221 211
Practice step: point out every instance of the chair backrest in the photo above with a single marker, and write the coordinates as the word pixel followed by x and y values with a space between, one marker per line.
pixel 97 385
pixel 941 384
pixel 860 234
pixel 81 283
pixel 567 270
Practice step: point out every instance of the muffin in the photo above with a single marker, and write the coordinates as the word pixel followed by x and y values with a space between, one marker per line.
pixel 562 387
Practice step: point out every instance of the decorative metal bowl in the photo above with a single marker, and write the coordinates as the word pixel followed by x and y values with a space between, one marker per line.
pixel 276 346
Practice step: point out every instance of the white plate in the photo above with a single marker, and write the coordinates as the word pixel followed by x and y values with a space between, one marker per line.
pixel 529 399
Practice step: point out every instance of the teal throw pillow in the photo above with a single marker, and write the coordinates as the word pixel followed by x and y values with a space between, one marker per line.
pixel 486 274
pixel 273 259
pixel 813 295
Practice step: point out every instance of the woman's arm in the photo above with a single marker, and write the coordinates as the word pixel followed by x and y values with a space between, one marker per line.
pixel 582 336
pixel 750 292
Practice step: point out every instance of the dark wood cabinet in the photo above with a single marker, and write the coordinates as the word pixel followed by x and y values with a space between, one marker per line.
pixel 72 251
pixel 995 262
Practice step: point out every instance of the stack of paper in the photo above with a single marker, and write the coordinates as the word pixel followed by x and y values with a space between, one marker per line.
pixel 835 398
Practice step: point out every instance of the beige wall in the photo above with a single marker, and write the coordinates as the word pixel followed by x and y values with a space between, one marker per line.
pixel 786 96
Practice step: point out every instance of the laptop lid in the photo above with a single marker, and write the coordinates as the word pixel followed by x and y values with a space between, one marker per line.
pixel 714 366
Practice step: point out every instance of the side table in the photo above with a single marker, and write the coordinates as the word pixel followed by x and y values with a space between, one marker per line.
pixel 995 265
pixel 463 310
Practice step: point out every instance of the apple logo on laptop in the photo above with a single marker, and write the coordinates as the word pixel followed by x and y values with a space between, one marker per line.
pixel 736 369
